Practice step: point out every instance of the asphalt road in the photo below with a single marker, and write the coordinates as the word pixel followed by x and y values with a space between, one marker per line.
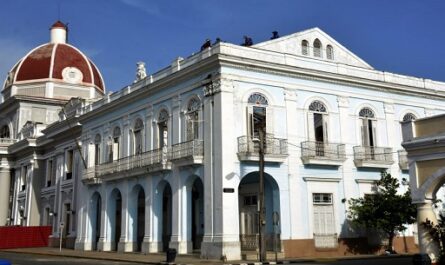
pixel 25 259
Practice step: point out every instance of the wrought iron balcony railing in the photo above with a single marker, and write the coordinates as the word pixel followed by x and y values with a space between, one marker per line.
pixel 275 149
pixel 371 156
pixel 149 161
pixel 322 153
pixel 193 150
pixel 403 160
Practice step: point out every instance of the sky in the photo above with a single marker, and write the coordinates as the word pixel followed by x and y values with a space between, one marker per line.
pixel 399 36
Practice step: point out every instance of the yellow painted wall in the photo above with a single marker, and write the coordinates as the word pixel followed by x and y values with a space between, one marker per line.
pixel 427 168
pixel 430 126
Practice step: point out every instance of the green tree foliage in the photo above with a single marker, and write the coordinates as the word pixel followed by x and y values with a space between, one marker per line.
pixel 437 232
pixel 385 210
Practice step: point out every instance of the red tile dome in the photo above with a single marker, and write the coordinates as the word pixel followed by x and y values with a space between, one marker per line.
pixel 56 61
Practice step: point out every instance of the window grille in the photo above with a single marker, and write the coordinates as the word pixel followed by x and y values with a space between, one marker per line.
pixel 322 198
pixel 258 99
pixel 366 113
pixel 409 117
pixel 317 106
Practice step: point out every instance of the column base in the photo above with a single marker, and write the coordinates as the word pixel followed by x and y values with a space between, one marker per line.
pixel 221 250
pixel 105 246
pixel 182 247
pixel 151 247
pixel 83 245
pixel 126 246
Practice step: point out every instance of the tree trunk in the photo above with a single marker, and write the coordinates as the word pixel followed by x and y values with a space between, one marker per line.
pixel 390 240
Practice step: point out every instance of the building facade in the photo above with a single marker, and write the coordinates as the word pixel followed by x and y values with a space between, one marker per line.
pixel 172 159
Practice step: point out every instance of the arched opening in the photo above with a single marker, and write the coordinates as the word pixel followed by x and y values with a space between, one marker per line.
pixel 95 219
pixel 304 47
pixel 163 128
pixel 162 219
pixel 137 137
pixel 192 119
pixel 196 213
pixel 114 213
pixel 317 48
pixel 330 52
pixel 137 216
pixel 248 211
pixel 4 132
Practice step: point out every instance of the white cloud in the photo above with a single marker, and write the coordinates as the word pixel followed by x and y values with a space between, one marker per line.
pixel 145 6
pixel 11 51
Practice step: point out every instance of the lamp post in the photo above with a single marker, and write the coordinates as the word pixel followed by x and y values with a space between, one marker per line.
pixel 261 204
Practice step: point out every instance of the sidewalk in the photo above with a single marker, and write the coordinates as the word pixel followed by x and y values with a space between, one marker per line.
pixel 160 258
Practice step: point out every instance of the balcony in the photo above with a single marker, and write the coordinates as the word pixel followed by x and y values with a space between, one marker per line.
pixel 403 160
pixel 275 149
pixel 319 153
pixel 188 153
pixel 371 156
pixel 151 161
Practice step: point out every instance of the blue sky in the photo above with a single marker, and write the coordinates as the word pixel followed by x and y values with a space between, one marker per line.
pixel 397 36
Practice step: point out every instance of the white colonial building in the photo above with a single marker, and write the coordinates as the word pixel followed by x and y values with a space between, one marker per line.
pixel 172 159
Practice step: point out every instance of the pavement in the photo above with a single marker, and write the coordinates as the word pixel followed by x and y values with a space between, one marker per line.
pixel 180 259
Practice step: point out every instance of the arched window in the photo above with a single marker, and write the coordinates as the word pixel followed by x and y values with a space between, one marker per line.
pixel 330 52
pixel 304 47
pixel 318 125
pixel 97 143
pixel 192 117
pixel 409 117
pixel 137 134
pixel 368 127
pixel 4 132
pixel 256 112
pixel 163 128
pixel 317 48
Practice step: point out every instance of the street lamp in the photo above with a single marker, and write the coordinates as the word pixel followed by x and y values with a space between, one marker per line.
pixel 261 204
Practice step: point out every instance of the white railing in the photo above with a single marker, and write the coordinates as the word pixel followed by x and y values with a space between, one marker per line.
pixel 321 150
pixel 157 156
pixel 325 240
pixel 7 141
pixel 187 149
pixel 272 146
pixel 374 154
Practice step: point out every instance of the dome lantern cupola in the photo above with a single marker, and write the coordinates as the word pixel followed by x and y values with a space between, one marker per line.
pixel 58 32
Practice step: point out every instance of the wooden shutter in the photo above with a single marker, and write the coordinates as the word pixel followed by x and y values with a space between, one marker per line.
pixel 115 150
pixel 325 128
pixel 310 126
pixel 269 120
pixel 374 132
pixel 249 121
pixel 365 132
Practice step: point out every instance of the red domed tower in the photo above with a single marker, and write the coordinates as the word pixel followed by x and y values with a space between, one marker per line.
pixel 54 70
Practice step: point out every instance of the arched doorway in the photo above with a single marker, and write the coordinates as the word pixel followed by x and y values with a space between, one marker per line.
pixel 166 216
pixel 114 213
pixel 136 210
pixel 196 210
pixel 248 211
pixel 95 219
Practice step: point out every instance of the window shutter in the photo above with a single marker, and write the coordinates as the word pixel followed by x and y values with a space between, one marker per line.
pixel 249 120
pixel 365 132
pixel 310 126
pixel 325 128
pixel 269 121
pixel 115 151
pixel 374 135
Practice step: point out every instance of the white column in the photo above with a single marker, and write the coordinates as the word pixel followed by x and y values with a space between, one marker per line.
pixel 104 243
pixel 147 243
pixel 126 243
pixel 178 241
pixel 426 244
pixel 5 179
pixel 392 138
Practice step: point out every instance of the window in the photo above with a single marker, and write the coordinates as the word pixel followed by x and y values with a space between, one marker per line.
pixel 317 48
pixel 256 114
pixel 23 175
pixel 324 221
pixel 47 217
pixel 97 153
pixel 67 219
pixel 409 117
pixel 114 146
pixel 318 128
pixel 330 52
pixel 4 132
pixel 50 172
pixel 368 127
pixel 69 156
pixel 305 47
pixel 193 119
pixel 163 128
pixel 137 134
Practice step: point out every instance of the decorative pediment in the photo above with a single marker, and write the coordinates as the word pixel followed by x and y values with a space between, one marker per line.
pixel 315 44
pixel 72 108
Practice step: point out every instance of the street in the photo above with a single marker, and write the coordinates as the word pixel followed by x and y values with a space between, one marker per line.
pixel 24 259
